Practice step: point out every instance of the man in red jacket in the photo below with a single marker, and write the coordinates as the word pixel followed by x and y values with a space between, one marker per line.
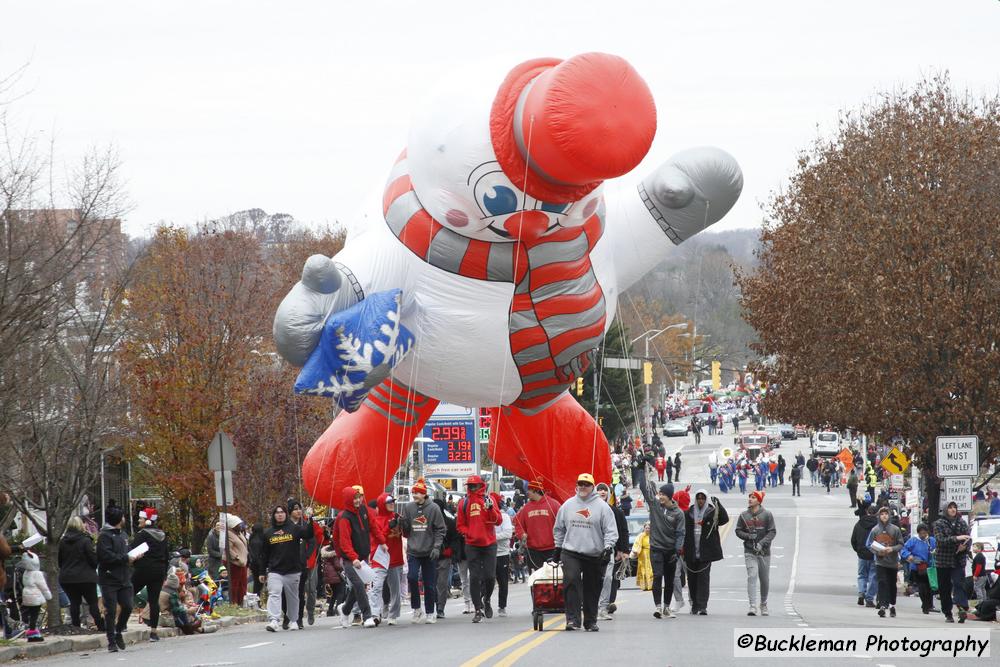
pixel 387 520
pixel 478 517
pixel 354 534
pixel 535 521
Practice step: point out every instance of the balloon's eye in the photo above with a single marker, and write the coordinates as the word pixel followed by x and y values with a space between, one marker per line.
pixel 503 201
pixel 554 208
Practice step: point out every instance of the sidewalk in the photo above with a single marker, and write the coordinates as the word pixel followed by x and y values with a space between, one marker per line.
pixel 54 644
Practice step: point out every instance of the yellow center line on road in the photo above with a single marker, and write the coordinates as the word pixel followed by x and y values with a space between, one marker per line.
pixel 514 656
pixel 503 646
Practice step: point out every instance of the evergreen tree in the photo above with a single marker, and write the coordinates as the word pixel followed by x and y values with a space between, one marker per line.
pixel 617 387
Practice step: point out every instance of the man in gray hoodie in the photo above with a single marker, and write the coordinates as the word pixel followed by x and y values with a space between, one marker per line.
pixel 886 541
pixel 756 528
pixel 423 525
pixel 666 543
pixel 585 535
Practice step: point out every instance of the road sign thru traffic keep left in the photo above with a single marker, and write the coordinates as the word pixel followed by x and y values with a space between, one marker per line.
pixel 895 462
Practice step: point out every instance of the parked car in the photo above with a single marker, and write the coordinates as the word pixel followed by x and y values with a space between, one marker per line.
pixel 787 432
pixel 986 529
pixel 675 428
pixel 826 443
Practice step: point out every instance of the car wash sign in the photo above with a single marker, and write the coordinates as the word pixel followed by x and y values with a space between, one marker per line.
pixel 957 455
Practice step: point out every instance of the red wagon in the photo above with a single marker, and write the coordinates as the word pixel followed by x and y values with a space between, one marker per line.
pixel 548 594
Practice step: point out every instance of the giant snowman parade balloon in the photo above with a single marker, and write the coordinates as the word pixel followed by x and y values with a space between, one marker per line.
pixel 492 272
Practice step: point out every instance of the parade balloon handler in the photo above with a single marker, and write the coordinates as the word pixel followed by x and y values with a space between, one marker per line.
pixel 609 588
pixel 281 556
pixel 666 543
pixel 703 546
pixel 757 530
pixel 494 255
pixel 477 518
pixel 423 525
pixel 534 522
pixel 585 538
pixel 388 562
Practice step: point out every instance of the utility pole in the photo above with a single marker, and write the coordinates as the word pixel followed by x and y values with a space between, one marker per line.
pixel 648 420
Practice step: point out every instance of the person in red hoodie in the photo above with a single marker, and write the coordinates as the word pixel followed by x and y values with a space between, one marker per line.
pixel 354 534
pixel 535 521
pixel 387 520
pixel 478 517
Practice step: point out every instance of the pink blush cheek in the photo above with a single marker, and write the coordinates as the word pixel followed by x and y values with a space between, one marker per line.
pixel 589 209
pixel 456 218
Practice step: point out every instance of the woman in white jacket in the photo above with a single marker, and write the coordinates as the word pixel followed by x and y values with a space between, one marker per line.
pixel 504 530
pixel 35 592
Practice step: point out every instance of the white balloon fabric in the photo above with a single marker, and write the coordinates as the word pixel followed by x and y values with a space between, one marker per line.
pixel 507 263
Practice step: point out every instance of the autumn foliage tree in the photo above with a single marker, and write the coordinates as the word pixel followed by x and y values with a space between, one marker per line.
pixel 199 319
pixel 877 296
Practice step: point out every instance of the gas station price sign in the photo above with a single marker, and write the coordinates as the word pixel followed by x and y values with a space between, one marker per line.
pixel 452 441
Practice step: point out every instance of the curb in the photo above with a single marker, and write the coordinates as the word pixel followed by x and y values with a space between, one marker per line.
pixel 95 642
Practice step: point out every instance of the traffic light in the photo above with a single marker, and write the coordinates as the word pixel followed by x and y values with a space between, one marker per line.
pixel 579 386
pixel 647 372
pixel 716 376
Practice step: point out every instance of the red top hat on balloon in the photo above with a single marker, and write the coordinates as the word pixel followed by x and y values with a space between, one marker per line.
pixel 560 128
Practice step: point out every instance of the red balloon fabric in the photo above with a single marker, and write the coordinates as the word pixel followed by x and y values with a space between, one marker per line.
pixel 555 445
pixel 366 447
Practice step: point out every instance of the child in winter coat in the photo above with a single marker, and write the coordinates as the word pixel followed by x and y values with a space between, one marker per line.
pixel 35 593
pixel 979 572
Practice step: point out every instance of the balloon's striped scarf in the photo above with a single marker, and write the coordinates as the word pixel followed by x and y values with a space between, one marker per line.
pixel 558 312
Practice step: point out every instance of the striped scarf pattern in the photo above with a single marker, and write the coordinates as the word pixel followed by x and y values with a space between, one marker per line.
pixel 558 312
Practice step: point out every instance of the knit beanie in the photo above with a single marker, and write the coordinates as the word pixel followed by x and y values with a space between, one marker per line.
pixel 667 490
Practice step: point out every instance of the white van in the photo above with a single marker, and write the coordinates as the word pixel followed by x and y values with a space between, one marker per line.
pixel 826 443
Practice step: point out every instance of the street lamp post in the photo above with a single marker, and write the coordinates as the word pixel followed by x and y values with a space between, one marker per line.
pixel 648 417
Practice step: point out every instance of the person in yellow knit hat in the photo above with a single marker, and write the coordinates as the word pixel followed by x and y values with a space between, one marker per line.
pixel 644 567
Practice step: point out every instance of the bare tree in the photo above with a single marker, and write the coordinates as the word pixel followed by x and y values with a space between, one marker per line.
pixel 62 281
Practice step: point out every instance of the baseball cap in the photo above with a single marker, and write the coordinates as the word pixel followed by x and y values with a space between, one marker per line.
pixel 586 478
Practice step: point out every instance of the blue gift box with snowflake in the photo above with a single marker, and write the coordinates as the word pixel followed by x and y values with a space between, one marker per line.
pixel 357 350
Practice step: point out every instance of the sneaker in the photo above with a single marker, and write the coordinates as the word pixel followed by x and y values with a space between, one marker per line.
pixel 570 627
pixel 345 621
pixel 612 608
pixel 272 626
pixel 284 624
pixel 962 615
pixel 669 613
pixel 870 604
pixel 440 615
pixel 356 620
pixel 34 636
pixel 293 627
pixel 391 621
pixel 120 641
pixel 658 612
pixel 703 612
pixel 487 609
pixel 153 637
pixel 892 612
pixel 763 609
pixel 752 611
pixel 501 612
pixel 603 615
pixel 881 612
pixel 934 610
pixel 112 646
pixel 312 616
pixel 468 608
pixel 861 600
pixel 418 616
pixel 477 617
pixel 370 622
pixel 680 605
pixel 591 628
pixel 948 618
pixel 430 618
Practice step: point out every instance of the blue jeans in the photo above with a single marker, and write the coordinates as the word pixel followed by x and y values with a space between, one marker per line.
pixel 422 568
pixel 867 584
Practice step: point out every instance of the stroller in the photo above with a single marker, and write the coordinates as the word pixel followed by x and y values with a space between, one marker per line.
pixel 547 593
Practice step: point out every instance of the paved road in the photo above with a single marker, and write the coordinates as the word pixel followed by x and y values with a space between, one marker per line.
pixel 812 542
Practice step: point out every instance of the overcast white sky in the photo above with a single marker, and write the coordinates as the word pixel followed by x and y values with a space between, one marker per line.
pixel 300 107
